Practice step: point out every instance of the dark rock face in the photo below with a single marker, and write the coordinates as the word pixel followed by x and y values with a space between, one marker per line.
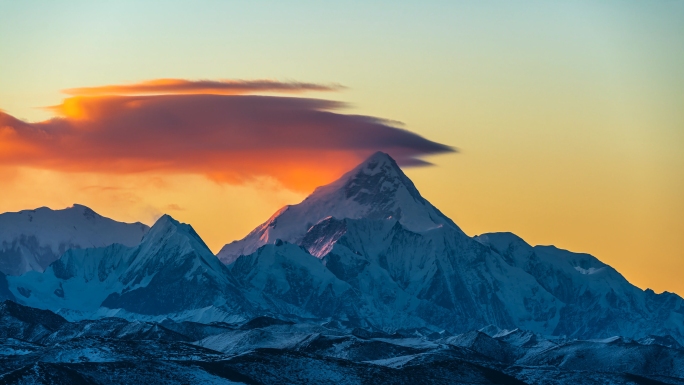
pixel 12 254
pixel 5 293
pixel 377 184
pixel 27 324
pixel 262 322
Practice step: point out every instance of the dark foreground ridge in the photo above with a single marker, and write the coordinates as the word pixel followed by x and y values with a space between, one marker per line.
pixel 40 347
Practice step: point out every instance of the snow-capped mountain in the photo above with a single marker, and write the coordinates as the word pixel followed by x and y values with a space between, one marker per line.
pixel 408 266
pixel 33 239
pixel 365 252
pixel 170 272
pixel 376 189
pixel 599 301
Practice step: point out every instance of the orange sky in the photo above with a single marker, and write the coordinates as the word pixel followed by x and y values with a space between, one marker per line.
pixel 567 116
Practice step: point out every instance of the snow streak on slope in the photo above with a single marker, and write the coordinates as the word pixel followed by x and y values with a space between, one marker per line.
pixel 376 189
pixel 32 239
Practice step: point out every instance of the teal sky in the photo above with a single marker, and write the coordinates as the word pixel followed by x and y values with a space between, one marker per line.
pixel 569 115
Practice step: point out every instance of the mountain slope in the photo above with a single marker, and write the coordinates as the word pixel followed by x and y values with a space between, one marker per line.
pixel 411 267
pixel 287 280
pixel 440 276
pixel 376 189
pixel 171 271
pixel 600 302
pixel 32 239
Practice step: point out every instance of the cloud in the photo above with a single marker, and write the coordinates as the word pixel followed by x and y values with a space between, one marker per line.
pixel 174 207
pixel 183 86
pixel 301 142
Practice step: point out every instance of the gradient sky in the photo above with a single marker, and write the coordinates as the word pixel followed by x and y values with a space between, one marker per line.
pixel 568 117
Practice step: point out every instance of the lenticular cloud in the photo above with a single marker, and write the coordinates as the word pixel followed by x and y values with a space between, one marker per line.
pixel 183 86
pixel 224 133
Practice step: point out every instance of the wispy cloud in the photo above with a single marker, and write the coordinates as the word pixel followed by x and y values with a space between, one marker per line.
pixel 301 142
pixel 221 87
pixel 174 207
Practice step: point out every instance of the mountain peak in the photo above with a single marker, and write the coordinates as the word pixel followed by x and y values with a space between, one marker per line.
pixel 166 220
pixel 378 159
pixel 78 206
pixel 166 224
pixel 376 189
pixel 377 178
pixel 379 162
pixel 167 228
pixel 84 210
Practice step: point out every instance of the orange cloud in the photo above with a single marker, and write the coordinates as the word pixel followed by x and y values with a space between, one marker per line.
pixel 300 142
pixel 174 206
pixel 221 87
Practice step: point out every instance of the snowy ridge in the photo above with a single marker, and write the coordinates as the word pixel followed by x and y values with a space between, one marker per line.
pixel 32 239
pixel 600 304
pixel 171 272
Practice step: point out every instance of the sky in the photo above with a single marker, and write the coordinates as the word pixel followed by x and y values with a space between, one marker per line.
pixel 562 122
